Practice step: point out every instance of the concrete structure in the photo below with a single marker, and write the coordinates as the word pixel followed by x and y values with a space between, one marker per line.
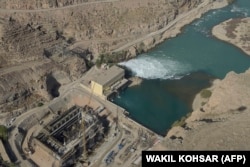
pixel 108 81
pixel 59 143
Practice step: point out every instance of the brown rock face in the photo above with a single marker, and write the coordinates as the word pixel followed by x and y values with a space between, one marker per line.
pixel 39 4
pixel 34 64
pixel 21 43
pixel 101 27
pixel 23 88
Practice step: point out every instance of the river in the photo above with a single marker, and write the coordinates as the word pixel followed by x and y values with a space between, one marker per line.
pixel 176 70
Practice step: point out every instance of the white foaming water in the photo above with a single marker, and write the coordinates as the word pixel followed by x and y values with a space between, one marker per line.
pixel 203 30
pixel 199 27
pixel 156 68
pixel 204 19
pixel 243 11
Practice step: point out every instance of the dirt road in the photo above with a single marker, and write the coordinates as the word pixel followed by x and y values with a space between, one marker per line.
pixel 51 9
pixel 183 19
pixel 23 66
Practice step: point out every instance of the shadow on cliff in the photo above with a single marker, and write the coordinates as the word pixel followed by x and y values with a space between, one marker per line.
pixel 52 86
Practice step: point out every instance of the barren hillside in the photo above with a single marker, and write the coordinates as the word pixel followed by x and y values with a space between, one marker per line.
pixel 102 26
pixel 47 43
pixel 235 31
pixel 40 4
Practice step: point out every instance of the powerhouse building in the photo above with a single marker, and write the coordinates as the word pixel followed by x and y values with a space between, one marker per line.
pixel 108 81
pixel 61 141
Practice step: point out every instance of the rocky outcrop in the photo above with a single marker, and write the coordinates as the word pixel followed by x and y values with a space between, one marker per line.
pixel 30 86
pixel 34 64
pixel 44 4
pixel 103 27
pixel 236 32
pixel 219 123
pixel 24 88
pixel 24 42
pixel 75 66
pixel 39 4
pixel 172 29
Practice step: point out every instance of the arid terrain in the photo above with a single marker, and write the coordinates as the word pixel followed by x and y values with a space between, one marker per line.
pixel 220 120
pixel 236 32
pixel 104 25
pixel 46 47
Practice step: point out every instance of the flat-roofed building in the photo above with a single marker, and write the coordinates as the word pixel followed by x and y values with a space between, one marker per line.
pixel 107 81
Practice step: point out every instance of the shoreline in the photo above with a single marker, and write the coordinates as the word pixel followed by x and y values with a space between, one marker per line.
pixel 200 101
pixel 174 28
pixel 232 31
pixel 171 30
pixel 215 115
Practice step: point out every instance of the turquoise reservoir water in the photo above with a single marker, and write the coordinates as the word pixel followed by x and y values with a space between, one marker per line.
pixel 179 68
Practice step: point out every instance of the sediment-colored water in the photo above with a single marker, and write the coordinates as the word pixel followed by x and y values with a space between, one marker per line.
pixel 179 68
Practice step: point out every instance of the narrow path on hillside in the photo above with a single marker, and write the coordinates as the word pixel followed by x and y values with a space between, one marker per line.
pixel 23 66
pixel 51 9
pixel 170 25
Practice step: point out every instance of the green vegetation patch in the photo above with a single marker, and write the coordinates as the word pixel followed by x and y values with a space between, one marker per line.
pixel 181 122
pixel 203 103
pixel 3 132
pixel 40 104
pixel 110 58
pixel 205 93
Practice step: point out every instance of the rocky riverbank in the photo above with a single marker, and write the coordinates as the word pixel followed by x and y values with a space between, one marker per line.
pixel 171 30
pixel 235 31
pixel 68 39
pixel 51 43
pixel 109 25
pixel 220 120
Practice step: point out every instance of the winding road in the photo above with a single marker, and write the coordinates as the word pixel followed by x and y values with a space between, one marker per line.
pixel 12 138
